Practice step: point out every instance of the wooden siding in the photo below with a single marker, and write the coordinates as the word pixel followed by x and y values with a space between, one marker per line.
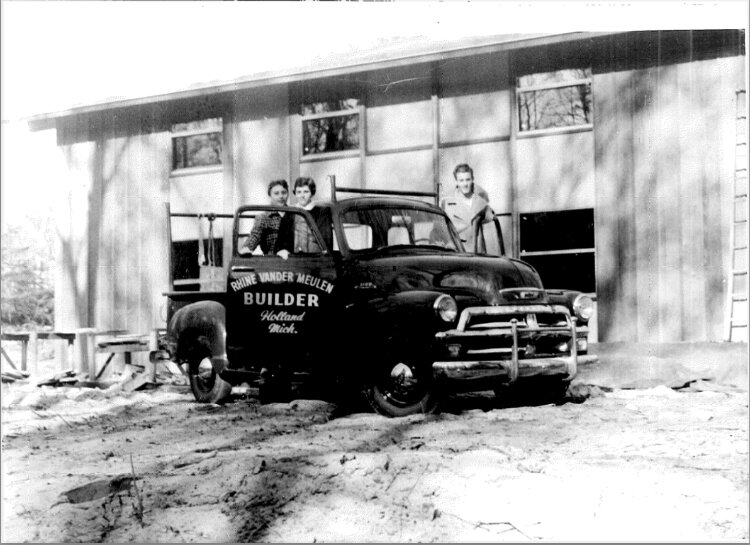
pixel 261 147
pixel 113 239
pixel 664 129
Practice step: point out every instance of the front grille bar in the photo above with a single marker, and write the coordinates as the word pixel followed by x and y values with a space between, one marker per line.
pixel 470 312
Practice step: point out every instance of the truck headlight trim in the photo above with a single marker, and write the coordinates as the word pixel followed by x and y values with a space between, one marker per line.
pixel 446 308
pixel 583 306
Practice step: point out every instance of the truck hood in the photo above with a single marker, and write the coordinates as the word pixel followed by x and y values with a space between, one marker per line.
pixel 495 280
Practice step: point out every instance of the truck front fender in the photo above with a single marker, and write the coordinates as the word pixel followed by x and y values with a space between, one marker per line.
pixel 406 319
pixel 201 326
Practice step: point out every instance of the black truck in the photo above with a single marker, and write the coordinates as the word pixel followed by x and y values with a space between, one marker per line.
pixel 392 306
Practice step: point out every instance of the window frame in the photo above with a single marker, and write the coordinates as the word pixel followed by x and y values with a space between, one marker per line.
pixel 183 133
pixel 359 111
pixel 519 90
pixel 568 251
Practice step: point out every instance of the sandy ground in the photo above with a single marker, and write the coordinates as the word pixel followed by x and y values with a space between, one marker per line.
pixel 625 465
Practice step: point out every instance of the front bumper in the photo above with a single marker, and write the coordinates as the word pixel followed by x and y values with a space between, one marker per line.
pixel 511 370
pixel 509 363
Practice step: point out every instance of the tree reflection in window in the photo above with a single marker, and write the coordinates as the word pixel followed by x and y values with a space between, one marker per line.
pixel 554 99
pixel 196 144
pixel 323 132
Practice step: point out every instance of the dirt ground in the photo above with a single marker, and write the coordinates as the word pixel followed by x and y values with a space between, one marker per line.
pixel 82 464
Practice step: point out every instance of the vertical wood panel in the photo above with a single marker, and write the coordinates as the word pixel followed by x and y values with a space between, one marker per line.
pixel 81 154
pixel 150 222
pixel 132 272
pixel 65 317
pixel 613 213
pixel 104 303
pixel 667 159
pixel 692 140
pixel 709 77
pixel 122 215
pixel 262 141
pixel 646 234
pixel 229 177
pixel 118 184
pixel 95 217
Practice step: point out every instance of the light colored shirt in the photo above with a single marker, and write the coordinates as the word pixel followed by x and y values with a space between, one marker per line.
pixel 463 211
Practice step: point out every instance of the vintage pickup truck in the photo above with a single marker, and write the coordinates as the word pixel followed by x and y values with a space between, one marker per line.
pixel 392 306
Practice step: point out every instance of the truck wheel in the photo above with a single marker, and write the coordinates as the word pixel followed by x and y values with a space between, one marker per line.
pixel 206 384
pixel 401 389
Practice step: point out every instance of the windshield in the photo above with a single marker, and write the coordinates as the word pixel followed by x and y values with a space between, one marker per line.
pixel 370 229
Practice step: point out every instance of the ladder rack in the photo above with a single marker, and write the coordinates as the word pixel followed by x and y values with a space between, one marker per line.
pixel 389 192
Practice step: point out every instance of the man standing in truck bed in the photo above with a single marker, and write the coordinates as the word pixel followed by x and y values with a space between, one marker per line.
pixel 468 204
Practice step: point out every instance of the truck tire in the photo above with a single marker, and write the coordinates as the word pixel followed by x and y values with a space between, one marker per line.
pixel 402 388
pixel 206 384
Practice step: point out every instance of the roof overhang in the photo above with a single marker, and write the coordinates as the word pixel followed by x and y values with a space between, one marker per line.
pixel 373 61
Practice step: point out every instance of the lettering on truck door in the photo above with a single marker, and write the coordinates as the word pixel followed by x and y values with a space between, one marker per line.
pixel 279 307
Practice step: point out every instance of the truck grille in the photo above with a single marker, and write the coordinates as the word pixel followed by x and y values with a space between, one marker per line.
pixel 542 331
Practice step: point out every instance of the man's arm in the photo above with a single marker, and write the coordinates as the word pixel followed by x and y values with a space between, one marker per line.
pixel 253 239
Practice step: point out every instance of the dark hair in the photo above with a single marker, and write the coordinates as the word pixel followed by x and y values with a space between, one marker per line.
pixel 463 167
pixel 303 181
pixel 273 183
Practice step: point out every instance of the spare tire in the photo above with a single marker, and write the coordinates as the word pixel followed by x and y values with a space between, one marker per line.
pixel 206 384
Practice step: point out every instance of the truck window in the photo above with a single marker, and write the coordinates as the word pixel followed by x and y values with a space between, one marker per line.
pixel 377 228
pixel 359 237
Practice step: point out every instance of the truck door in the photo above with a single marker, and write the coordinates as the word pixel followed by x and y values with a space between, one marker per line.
pixel 488 239
pixel 280 309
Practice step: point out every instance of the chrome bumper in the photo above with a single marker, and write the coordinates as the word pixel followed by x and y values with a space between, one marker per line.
pixel 510 368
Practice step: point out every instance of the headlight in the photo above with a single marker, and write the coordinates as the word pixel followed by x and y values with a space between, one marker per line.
pixel 446 308
pixel 583 306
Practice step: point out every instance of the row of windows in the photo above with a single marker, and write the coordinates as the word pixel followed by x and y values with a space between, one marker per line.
pixel 547 100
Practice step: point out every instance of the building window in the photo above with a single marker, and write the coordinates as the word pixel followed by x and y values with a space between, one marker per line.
pixel 330 126
pixel 189 273
pixel 197 144
pixel 560 246
pixel 554 99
